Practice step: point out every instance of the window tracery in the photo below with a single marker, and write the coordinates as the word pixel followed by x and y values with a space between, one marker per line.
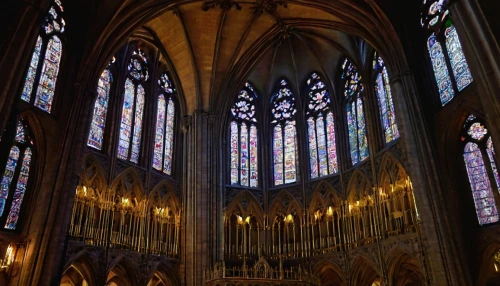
pixel 477 151
pixel 15 176
pixel 353 89
pixel 96 134
pixel 244 139
pixel 133 108
pixel 164 136
pixel 285 155
pixel 321 129
pixel 385 104
pixel 43 70
pixel 445 50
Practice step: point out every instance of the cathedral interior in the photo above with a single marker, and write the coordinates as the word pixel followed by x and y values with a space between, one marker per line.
pixel 249 142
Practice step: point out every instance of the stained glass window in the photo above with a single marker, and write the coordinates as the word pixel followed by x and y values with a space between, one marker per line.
pixel 164 140
pixel 134 98
pixel 96 134
pixel 353 89
pixel 480 184
pixel 285 135
pixel 244 139
pixel 17 168
pixel 459 65
pixel 445 50
pixel 479 149
pixel 43 77
pixel 384 95
pixel 322 148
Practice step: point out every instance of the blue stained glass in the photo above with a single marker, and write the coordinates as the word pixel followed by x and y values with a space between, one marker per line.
pixel 96 134
pixel 386 106
pixel 358 141
pixel 30 77
pixel 48 78
pixel 139 109
pixel 17 198
pixel 160 126
pixel 126 121
pixel 244 167
pixel 491 154
pixel 169 138
pixel 313 150
pixel 459 65
pixel 484 200
pixel 10 169
pixel 443 80
pixel 278 155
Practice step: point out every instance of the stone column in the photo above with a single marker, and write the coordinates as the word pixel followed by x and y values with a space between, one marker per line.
pixel 438 245
pixel 482 53
pixel 197 197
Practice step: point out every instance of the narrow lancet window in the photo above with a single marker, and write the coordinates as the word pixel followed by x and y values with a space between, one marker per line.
pixel 244 139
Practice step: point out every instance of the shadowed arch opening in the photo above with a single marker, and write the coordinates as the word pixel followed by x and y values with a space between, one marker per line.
pixel 404 269
pixel 364 273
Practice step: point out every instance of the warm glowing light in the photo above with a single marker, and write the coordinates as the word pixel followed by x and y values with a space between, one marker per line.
pixel 329 212
pixel 357 203
pixel 9 257
pixel 125 202
pixel 247 220
pixel 289 218
pixel 350 207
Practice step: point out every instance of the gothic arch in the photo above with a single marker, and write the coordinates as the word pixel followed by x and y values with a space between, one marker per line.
pixel 329 273
pixel 122 272
pixel 252 207
pixel 359 186
pixel 392 172
pixel 128 183
pixel 404 269
pixel 364 271
pixel 487 274
pixel 93 175
pixel 165 273
pixel 284 204
pixel 81 264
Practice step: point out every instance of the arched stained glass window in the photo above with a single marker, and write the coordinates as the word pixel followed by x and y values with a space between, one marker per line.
pixel 133 108
pixel 41 77
pixel 445 50
pixel 320 129
pixel 244 139
pixel 15 177
pixel 353 89
pixel 385 104
pixel 96 134
pixel 477 151
pixel 164 136
pixel 285 155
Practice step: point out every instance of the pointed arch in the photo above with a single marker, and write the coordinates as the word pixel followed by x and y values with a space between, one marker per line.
pixel 283 203
pixel 329 273
pixel 284 139
pixel 358 187
pixel 252 207
pixel 82 264
pixel 128 183
pixel 364 271
pixel 165 273
pixel 123 272
pixel 404 268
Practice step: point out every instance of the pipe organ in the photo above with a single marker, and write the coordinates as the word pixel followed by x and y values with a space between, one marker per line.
pixel 106 219
pixel 383 212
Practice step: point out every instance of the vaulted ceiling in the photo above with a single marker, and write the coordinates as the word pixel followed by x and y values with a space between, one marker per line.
pixel 207 42
pixel 215 46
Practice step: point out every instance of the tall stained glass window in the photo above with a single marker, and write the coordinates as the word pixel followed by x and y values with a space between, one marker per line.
pixel 447 57
pixel 133 108
pixel 41 76
pixel 353 90
pixel 320 129
pixel 385 104
pixel 482 169
pixel 96 134
pixel 165 118
pixel 285 155
pixel 15 177
pixel 244 139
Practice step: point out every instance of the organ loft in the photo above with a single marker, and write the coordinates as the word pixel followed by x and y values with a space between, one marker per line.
pixel 249 142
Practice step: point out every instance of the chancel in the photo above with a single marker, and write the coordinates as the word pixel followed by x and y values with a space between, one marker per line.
pixel 249 142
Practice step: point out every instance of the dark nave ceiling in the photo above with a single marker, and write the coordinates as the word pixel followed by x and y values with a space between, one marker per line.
pixel 262 42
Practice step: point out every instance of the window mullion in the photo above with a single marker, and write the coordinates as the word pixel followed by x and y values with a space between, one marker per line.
pixel 39 68
pixel 132 129
pixel 442 41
